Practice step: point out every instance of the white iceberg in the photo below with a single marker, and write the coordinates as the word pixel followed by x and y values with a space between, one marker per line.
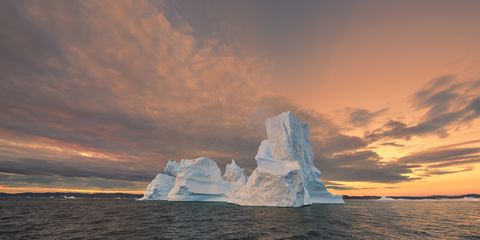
pixel 383 198
pixel 285 175
pixel 199 180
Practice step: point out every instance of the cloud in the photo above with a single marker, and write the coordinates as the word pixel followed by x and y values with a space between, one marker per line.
pixel 19 180
pixel 393 144
pixel 83 168
pixel 441 155
pixel 109 91
pixel 119 79
pixel 365 166
pixel 448 104
pixel 433 172
pixel 444 159
pixel 362 117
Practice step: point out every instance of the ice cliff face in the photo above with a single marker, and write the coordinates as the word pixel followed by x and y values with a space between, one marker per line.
pixel 285 175
pixel 161 185
pixel 265 189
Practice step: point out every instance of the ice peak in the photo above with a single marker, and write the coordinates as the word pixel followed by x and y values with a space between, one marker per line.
pixel 234 174
pixel 171 168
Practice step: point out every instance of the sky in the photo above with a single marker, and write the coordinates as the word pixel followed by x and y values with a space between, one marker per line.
pixel 96 96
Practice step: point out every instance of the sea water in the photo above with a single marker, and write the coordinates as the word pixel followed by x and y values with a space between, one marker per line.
pixel 130 219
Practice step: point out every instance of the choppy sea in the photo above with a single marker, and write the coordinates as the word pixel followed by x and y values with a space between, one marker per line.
pixel 22 218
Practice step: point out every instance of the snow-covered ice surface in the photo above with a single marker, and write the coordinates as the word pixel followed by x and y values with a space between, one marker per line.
pixel 285 175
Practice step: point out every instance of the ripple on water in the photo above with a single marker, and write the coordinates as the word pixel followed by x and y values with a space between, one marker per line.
pixel 124 219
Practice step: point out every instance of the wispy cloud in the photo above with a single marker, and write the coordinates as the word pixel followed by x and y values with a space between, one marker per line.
pixel 447 103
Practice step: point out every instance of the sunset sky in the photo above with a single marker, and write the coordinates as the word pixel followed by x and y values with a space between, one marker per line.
pixel 99 95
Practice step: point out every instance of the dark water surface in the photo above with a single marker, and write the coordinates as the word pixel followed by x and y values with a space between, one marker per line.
pixel 129 219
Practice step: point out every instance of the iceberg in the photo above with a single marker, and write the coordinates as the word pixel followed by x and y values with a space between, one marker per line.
pixel 383 198
pixel 285 175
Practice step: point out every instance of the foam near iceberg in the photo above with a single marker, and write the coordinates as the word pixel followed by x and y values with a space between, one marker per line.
pixel 285 175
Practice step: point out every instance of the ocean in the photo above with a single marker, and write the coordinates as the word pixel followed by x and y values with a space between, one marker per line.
pixel 22 218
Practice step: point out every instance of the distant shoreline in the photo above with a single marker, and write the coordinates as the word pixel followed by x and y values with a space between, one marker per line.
pixel 71 195
pixel 433 197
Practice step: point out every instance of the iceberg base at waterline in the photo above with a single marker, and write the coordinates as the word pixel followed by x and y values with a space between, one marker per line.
pixel 265 189
pixel 325 197
pixel 285 175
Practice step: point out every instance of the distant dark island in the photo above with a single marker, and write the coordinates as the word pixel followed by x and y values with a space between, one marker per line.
pixel 76 195
pixel 71 195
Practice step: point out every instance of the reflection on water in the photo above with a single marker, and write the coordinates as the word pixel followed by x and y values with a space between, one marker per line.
pixel 128 219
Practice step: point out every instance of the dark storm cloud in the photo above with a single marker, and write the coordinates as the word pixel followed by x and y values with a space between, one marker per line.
pixel 448 103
